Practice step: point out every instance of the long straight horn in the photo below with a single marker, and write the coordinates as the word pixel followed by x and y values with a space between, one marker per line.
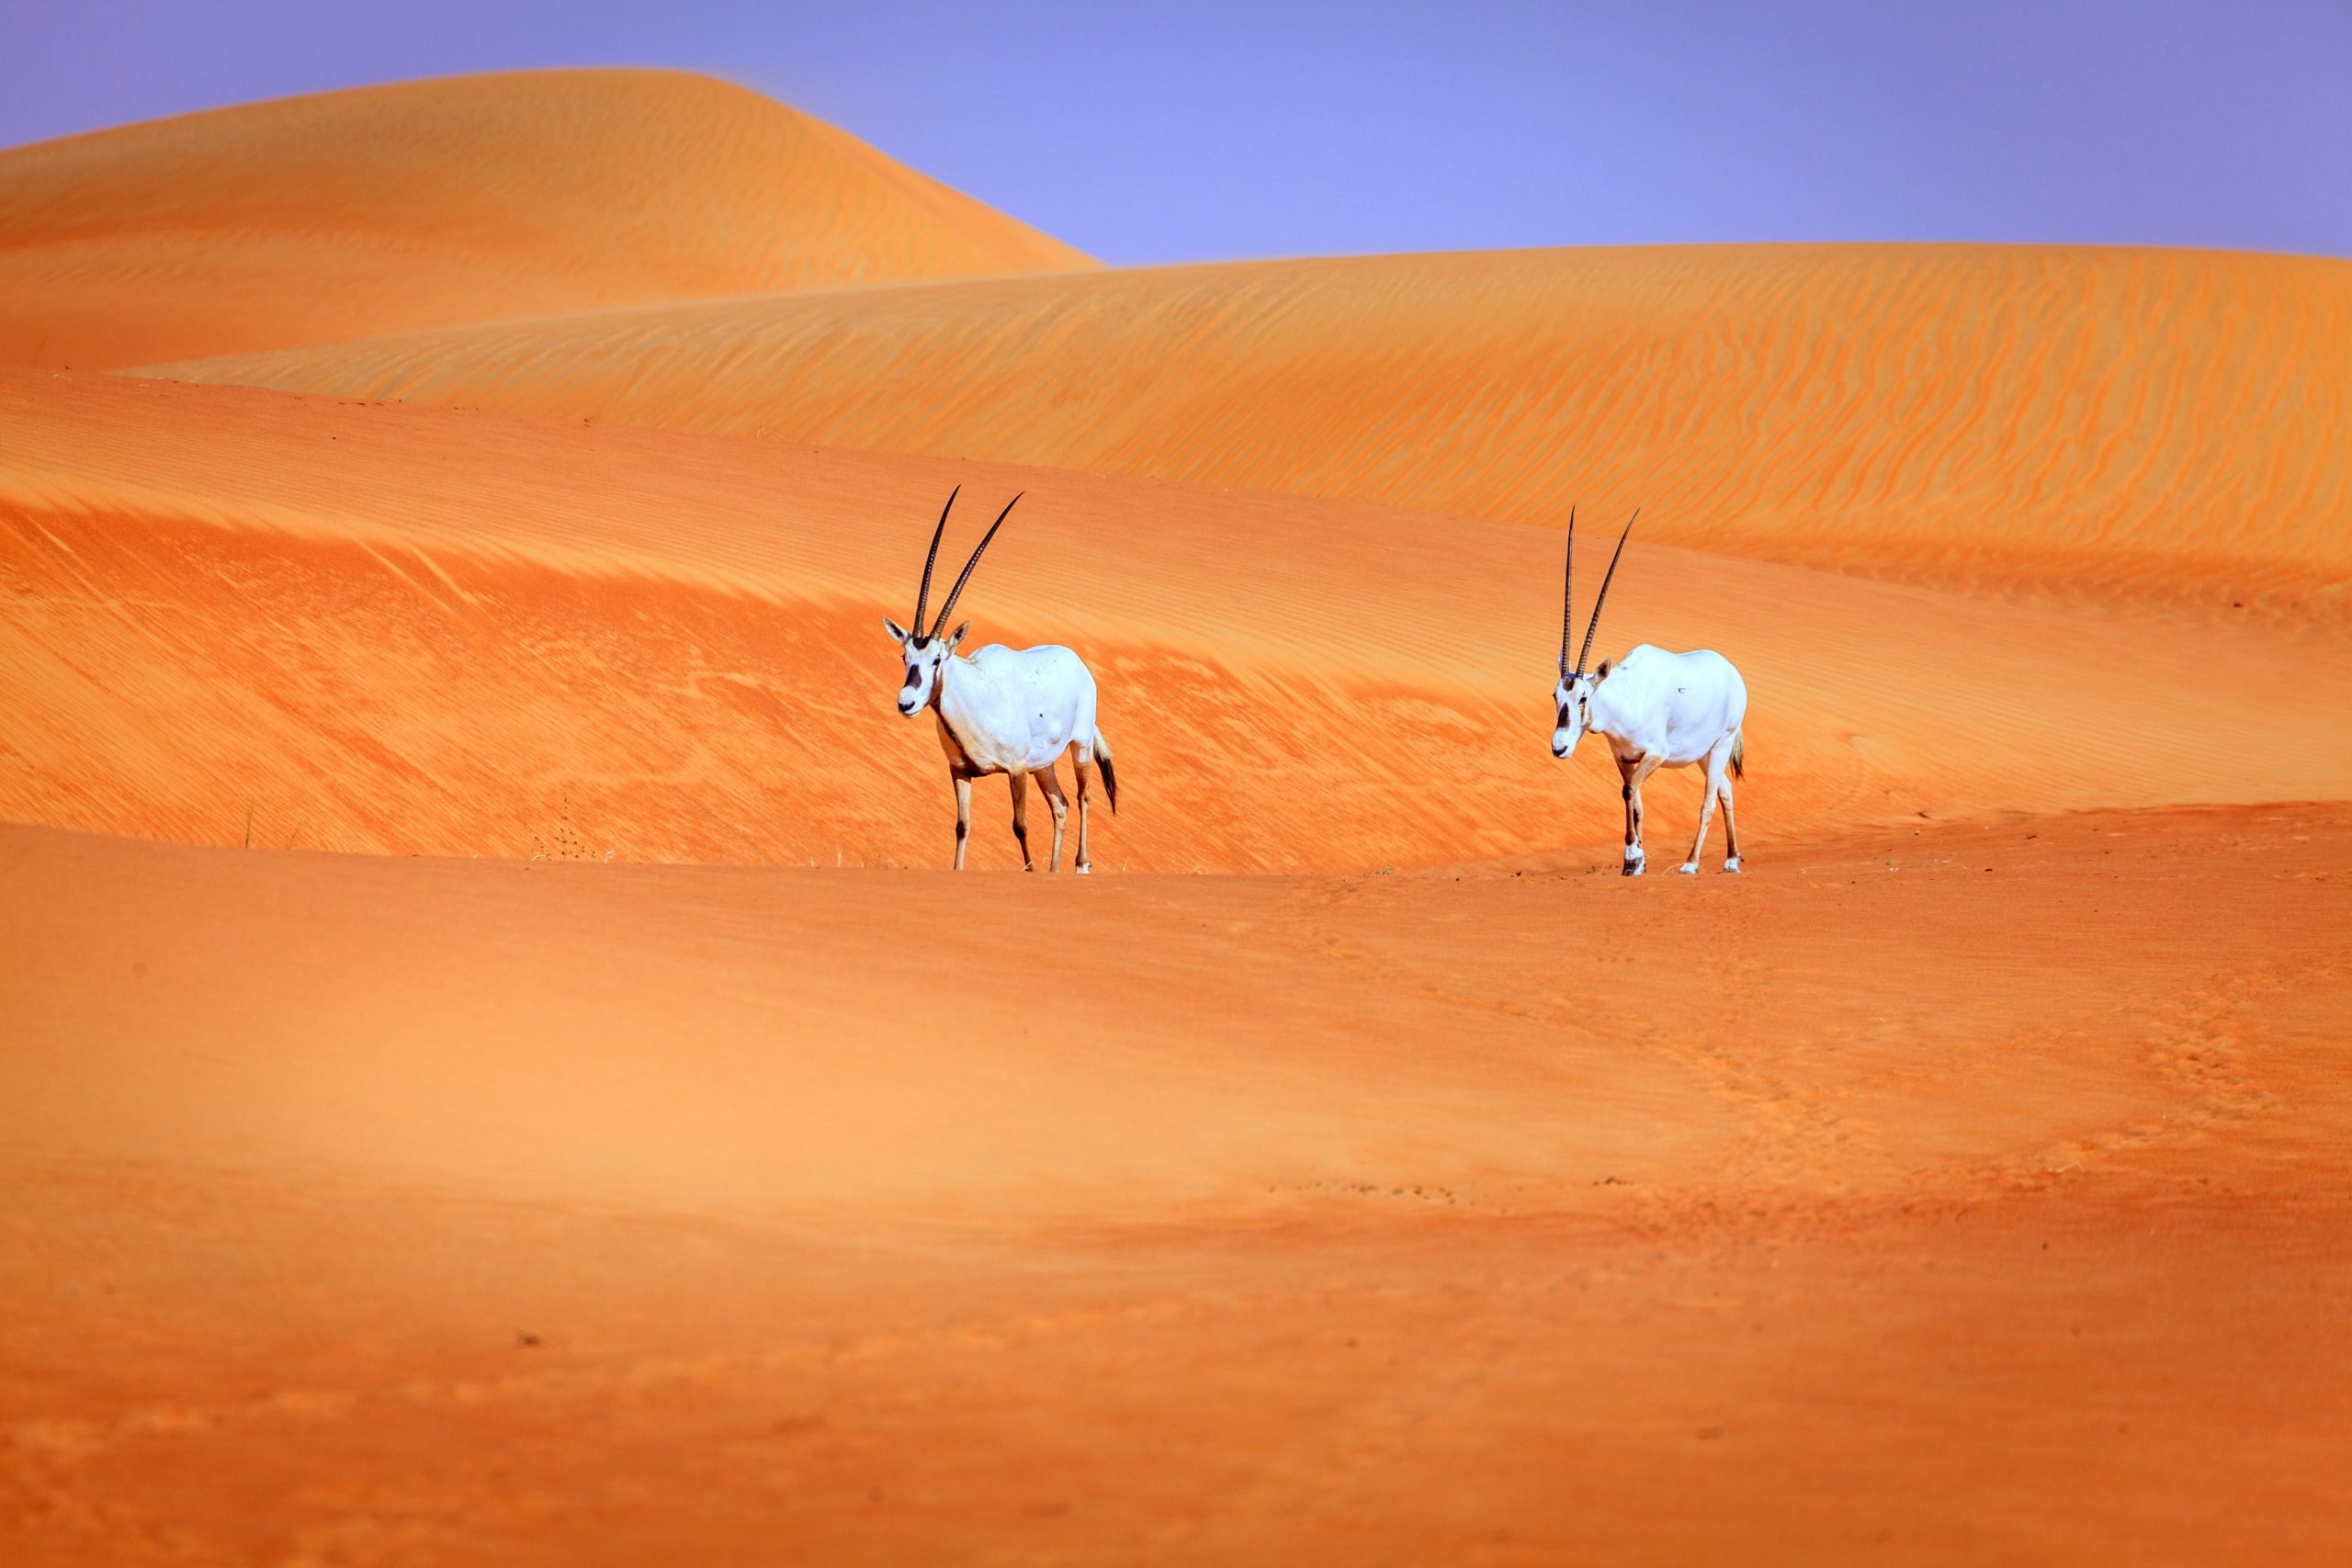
pixel 1594 625
pixel 922 595
pixel 1568 593
pixel 954 594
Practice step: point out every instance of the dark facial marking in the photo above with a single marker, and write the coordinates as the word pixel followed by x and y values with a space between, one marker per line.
pixel 1564 716
pixel 914 678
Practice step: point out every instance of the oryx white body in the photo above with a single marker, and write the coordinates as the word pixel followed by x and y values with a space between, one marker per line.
pixel 1657 710
pixel 1003 710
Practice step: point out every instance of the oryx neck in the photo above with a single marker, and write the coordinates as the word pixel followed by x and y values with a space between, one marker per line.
pixel 938 704
pixel 939 687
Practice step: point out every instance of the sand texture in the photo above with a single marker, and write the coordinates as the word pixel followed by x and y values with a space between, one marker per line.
pixel 2154 422
pixel 248 617
pixel 492 1070
pixel 1967 1195
pixel 426 204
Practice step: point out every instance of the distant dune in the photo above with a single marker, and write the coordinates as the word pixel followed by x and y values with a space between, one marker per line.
pixel 387 209
pixel 2149 423
pixel 333 625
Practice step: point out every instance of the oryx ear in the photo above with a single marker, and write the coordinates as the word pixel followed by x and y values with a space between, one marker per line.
pixel 956 635
pixel 1602 673
pixel 898 632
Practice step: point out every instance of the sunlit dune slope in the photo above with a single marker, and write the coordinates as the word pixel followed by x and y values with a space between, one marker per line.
pixel 424 204
pixel 1971 1196
pixel 237 617
pixel 2153 423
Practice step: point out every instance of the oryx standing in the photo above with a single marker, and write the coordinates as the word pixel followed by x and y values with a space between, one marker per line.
pixel 1003 711
pixel 1655 709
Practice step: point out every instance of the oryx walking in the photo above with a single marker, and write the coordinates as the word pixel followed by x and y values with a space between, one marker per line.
pixel 1003 711
pixel 1655 709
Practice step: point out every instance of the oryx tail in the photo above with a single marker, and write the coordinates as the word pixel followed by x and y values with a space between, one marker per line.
pixel 1110 775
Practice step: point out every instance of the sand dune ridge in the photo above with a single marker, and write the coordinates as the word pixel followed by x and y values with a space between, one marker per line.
pixel 2146 424
pixel 422 204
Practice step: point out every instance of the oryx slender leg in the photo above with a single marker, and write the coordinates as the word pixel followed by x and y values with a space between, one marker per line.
pixel 1633 772
pixel 1731 828
pixel 963 782
pixel 1048 781
pixel 1078 761
pixel 1716 759
pixel 1021 816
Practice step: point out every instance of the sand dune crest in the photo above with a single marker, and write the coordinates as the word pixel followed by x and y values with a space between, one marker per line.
pixel 423 204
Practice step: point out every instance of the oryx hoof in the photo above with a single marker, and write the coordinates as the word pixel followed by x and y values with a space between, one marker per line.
pixel 1633 868
pixel 1688 868
pixel 1082 870
pixel 1731 865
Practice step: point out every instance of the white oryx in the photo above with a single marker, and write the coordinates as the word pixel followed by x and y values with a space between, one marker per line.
pixel 1655 709
pixel 1003 711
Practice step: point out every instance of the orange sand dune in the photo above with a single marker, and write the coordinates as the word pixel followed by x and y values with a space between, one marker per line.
pixel 1960 1195
pixel 236 616
pixel 1965 1183
pixel 426 204
pixel 2100 422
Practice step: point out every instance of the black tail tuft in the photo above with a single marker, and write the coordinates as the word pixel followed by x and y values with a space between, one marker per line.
pixel 1110 779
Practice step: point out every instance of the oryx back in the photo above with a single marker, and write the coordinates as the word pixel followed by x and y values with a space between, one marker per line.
pixel 1018 710
pixel 1675 707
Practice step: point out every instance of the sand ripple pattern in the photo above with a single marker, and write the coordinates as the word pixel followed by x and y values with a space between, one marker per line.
pixel 230 617
pixel 2148 423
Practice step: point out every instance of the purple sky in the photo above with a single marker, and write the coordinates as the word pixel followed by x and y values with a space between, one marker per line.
pixel 1145 131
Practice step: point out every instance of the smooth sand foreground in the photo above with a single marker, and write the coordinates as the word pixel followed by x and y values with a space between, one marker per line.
pixel 1964 1194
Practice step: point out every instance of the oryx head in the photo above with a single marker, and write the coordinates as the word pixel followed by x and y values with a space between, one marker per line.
pixel 1572 697
pixel 925 649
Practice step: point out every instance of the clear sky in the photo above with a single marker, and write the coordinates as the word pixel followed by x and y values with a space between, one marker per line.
pixel 1144 131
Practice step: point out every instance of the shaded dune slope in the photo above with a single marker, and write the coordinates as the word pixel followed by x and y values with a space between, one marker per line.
pixel 234 616
pixel 2150 425
pixel 423 204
